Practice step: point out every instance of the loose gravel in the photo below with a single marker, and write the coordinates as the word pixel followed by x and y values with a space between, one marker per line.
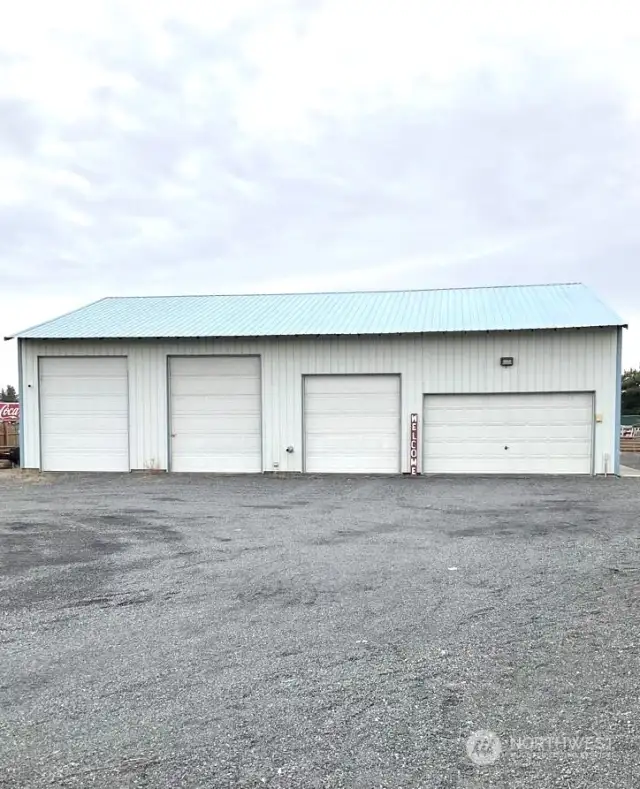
pixel 183 631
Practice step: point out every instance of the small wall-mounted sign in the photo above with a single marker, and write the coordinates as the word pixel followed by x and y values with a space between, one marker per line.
pixel 9 412
pixel 413 445
pixel 506 361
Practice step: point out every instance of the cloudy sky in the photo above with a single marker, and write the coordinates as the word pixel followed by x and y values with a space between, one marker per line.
pixel 266 145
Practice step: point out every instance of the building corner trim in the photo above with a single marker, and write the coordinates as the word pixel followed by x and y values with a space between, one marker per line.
pixel 21 398
pixel 618 406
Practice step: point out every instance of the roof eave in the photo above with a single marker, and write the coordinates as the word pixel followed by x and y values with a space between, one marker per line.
pixel 95 338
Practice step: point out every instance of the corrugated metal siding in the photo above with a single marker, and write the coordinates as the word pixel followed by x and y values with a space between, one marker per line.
pixel 583 360
pixel 293 314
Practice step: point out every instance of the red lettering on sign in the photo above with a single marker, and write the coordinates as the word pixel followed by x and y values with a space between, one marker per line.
pixel 9 412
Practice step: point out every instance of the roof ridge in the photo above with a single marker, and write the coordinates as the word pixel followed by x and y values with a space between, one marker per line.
pixel 339 292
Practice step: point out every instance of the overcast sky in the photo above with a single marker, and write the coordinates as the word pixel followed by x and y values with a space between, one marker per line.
pixel 266 145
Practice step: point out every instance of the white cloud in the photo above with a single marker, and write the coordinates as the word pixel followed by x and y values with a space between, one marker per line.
pixel 316 144
pixel 358 57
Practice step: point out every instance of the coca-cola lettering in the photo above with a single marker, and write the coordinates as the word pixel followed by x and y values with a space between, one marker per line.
pixel 9 412
pixel 413 445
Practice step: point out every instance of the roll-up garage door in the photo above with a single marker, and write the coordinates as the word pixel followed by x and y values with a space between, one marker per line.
pixel 352 423
pixel 508 434
pixel 215 414
pixel 84 413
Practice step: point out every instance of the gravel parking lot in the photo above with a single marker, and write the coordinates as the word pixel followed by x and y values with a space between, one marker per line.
pixel 318 632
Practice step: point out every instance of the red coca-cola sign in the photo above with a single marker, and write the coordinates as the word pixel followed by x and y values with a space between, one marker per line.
pixel 9 412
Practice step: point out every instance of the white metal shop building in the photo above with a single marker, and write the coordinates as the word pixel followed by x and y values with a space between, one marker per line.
pixel 506 380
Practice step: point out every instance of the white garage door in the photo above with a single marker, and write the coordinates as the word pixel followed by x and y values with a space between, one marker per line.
pixel 84 414
pixel 215 414
pixel 508 434
pixel 352 424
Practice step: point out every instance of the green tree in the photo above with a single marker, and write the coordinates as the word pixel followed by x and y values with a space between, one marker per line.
pixel 9 395
pixel 631 392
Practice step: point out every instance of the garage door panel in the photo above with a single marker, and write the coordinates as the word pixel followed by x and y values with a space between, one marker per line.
pixel 515 449
pixel 365 424
pixel 92 461
pixel 544 448
pixel 529 466
pixel 222 386
pixel 508 434
pixel 91 380
pixel 237 424
pixel 229 441
pixel 495 416
pixel 492 432
pixel 352 424
pixel 564 433
pixel 216 414
pixel 198 463
pixel 84 409
pixel 99 387
pixel 331 404
pixel 357 410
pixel 354 397
pixel 379 442
pixel 84 414
pixel 217 404
pixel 100 441
pixel 344 385
pixel 485 448
pixel 208 407
pixel 86 426
pixel 237 366
pixel 81 368
pixel 349 464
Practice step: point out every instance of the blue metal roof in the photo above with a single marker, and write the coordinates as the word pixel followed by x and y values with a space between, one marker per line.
pixel 508 308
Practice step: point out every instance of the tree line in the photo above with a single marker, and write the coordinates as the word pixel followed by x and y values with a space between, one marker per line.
pixel 631 392
pixel 8 395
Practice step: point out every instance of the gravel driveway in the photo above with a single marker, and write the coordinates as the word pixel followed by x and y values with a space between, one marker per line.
pixel 319 632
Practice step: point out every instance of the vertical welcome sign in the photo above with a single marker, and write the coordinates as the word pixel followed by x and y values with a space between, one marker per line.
pixel 413 445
